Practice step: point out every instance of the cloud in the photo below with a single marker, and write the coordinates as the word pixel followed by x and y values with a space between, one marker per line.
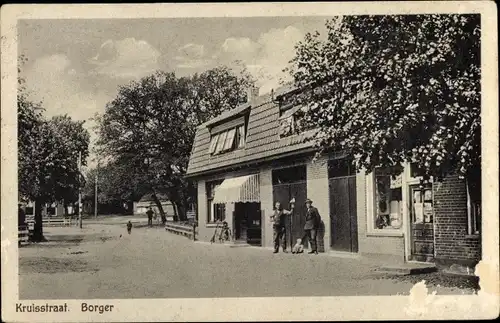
pixel 58 84
pixel 264 58
pixel 127 58
pixel 243 47
pixel 192 50
pixel 191 56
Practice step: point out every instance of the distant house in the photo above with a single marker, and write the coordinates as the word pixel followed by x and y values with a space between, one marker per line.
pixel 147 201
pixel 248 158
pixel 52 209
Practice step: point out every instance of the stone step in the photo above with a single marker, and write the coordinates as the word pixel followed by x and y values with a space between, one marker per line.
pixel 406 269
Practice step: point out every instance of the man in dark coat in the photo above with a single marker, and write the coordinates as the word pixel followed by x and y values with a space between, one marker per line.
pixel 313 220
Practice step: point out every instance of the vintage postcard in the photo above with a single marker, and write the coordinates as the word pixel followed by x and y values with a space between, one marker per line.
pixel 249 161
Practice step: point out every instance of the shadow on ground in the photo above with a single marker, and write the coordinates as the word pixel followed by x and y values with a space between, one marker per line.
pixel 46 265
pixel 435 279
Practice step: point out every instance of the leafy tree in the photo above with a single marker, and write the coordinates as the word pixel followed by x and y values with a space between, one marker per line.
pixel 149 128
pixel 47 156
pixel 393 89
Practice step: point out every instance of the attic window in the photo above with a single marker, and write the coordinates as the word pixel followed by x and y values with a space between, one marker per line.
pixel 227 140
pixel 291 120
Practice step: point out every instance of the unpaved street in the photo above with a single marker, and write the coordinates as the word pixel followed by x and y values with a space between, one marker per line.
pixel 150 263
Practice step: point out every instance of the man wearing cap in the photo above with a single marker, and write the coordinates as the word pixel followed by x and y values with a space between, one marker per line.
pixel 311 227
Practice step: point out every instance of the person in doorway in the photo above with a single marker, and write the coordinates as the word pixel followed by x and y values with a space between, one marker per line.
pixel 278 219
pixel 313 221
pixel 150 213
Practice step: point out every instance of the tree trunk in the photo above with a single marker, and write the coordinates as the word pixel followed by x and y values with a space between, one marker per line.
pixel 160 208
pixel 179 206
pixel 182 212
pixel 176 216
pixel 38 226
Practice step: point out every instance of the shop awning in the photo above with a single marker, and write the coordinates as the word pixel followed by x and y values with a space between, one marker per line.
pixel 238 189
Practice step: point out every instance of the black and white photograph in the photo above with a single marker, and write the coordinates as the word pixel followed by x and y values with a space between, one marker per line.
pixel 250 161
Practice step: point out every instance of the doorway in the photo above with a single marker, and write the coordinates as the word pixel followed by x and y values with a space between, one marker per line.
pixel 421 223
pixel 291 183
pixel 247 223
pixel 343 215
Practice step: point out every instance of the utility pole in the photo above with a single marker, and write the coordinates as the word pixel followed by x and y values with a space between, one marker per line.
pixel 96 178
pixel 80 189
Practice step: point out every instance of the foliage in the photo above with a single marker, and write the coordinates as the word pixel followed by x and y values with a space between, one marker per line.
pixel 149 128
pixel 47 154
pixel 393 89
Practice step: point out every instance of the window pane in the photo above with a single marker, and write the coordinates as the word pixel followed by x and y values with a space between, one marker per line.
pixel 230 139
pixel 241 136
pixel 220 143
pixel 388 203
pixel 286 126
pixel 213 143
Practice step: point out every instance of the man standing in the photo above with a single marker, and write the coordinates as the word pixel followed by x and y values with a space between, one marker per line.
pixel 313 220
pixel 278 219
pixel 150 216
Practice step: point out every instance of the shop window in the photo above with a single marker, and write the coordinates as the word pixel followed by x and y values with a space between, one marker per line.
pixel 215 212
pixel 474 208
pixel 388 200
pixel 227 140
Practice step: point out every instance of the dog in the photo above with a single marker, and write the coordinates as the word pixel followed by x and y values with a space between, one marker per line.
pixel 298 248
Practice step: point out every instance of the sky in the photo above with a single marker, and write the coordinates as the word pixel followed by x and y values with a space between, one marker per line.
pixel 76 65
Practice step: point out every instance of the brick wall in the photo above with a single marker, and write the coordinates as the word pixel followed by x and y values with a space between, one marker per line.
pixel 371 245
pixel 452 241
pixel 317 190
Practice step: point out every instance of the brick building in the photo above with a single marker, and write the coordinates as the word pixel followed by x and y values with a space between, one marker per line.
pixel 247 158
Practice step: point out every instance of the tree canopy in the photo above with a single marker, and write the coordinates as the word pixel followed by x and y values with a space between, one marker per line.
pixel 394 89
pixel 149 128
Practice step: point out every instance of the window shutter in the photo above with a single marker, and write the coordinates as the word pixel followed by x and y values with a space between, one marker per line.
pixel 213 143
pixel 241 131
pixel 230 139
pixel 220 143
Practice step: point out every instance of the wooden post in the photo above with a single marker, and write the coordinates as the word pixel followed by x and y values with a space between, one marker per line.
pixel 80 189
pixel 96 178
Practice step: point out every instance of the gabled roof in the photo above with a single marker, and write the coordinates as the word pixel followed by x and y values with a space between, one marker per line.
pixel 262 140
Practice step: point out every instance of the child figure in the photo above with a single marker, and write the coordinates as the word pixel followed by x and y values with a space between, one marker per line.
pixel 298 248
pixel 225 233
pixel 129 227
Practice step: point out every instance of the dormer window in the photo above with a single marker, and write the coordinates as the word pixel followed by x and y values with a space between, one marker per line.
pixel 227 140
pixel 291 120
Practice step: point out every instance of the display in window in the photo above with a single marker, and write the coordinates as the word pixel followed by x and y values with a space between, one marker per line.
pixel 428 212
pixel 418 210
pixel 428 195
pixel 388 203
pixel 396 181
